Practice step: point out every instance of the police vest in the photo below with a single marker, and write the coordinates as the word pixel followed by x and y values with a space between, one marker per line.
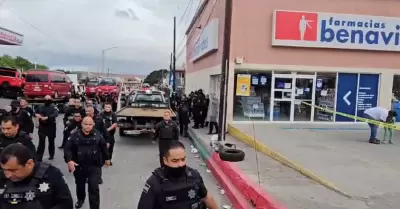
pixel 179 195
pixel 4 145
pixel 28 196
pixel 166 131
pixel 88 149
pixel 107 120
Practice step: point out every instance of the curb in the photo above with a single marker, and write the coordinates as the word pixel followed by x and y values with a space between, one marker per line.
pixel 240 189
pixel 235 132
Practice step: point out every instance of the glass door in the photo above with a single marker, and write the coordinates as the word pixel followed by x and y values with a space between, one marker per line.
pixel 282 97
pixel 303 95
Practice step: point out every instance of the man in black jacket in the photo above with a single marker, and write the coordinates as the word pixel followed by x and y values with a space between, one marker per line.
pixel 47 115
pixel 10 134
pixel 85 153
pixel 165 131
pixel 74 123
pixel 24 118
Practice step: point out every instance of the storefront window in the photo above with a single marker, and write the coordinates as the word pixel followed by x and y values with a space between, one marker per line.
pixel 396 88
pixel 325 89
pixel 256 106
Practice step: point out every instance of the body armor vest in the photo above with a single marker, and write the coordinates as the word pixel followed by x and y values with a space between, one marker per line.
pixel 180 195
pixel 166 131
pixel 88 149
pixel 27 196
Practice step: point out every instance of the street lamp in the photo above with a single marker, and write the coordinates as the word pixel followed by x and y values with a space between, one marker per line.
pixel 102 57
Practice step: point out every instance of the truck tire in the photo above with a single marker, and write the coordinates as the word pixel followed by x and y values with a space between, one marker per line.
pixel 231 155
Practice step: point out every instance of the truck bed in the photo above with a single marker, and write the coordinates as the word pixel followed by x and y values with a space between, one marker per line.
pixel 143 112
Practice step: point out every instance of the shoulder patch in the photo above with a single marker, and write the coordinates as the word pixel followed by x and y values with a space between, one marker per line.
pixel 146 188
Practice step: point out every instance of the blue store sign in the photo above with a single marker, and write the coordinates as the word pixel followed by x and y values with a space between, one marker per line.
pixel 367 92
pixel 346 95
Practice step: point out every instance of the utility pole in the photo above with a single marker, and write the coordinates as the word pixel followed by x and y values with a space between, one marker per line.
pixel 170 69
pixel 108 71
pixel 102 61
pixel 225 71
pixel 174 58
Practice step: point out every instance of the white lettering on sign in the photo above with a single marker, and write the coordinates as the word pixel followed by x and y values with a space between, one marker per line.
pixel 330 30
pixel 10 37
pixel 207 41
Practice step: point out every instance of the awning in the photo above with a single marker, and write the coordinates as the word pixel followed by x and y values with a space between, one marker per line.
pixel 8 37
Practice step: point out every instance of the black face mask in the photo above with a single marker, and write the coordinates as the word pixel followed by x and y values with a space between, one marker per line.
pixel 175 172
pixel 47 102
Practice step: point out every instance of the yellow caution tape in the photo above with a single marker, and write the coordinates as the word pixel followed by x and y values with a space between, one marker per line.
pixel 375 122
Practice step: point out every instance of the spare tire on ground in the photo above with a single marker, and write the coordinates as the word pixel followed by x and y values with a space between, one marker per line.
pixel 231 154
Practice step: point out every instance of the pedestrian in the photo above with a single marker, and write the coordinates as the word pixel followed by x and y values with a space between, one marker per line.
pixel 378 114
pixel 175 185
pixel 27 183
pixel 213 115
pixel 85 153
pixel 46 115
pixel 110 122
pixel 165 131
pixel 390 120
pixel 11 134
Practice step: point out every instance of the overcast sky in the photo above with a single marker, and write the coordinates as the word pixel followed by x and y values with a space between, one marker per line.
pixel 72 33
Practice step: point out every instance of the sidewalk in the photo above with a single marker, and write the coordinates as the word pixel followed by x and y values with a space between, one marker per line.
pixel 339 155
pixel 287 186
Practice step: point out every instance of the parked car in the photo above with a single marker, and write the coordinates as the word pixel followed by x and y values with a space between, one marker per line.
pixel 11 82
pixel 39 83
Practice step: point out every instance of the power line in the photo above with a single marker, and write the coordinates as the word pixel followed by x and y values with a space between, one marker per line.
pixel 197 9
pixel 184 13
pixel 190 35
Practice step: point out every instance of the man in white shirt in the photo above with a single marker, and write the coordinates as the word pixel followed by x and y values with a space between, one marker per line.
pixel 378 114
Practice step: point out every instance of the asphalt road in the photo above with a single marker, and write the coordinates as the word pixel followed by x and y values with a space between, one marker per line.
pixel 134 159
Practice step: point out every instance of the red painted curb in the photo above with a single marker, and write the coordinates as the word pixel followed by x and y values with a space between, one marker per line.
pixel 234 195
pixel 251 191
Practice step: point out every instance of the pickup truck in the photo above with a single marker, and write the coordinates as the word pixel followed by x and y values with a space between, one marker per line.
pixel 142 111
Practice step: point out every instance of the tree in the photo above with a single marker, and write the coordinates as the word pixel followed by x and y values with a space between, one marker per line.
pixel 156 76
pixel 19 63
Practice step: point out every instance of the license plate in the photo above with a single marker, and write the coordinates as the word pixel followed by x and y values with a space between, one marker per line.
pixel 133 132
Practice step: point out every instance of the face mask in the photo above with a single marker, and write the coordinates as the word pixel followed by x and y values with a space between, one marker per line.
pixel 175 171
pixel 48 102
pixel 14 109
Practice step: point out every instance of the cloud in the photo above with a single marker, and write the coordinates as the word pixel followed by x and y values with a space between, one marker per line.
pixel 72 33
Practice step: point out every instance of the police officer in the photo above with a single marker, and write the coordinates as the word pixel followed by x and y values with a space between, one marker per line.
pixel 76 107
pixel 184 120
pixel 25 106
pixel 23 117
pixel 85 153
pixel 175 185
pixel 73 124
pixel 89 103
pixel 47 115
pixel 166 131
pixel 11 134
pixel 99 123
pixel 110 122
pixel 26 183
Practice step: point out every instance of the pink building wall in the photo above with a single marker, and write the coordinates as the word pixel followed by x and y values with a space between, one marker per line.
pixel 215 57
pixel 252 34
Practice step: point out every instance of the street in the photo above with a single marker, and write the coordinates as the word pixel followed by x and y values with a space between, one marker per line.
pixel 134 159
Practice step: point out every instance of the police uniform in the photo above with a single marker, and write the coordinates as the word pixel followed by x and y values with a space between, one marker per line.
pixel 185 192
pixel 24 118
pixel 72 124
pixel 165 131
pixel 89 152
pixel 109 118
pixel 46 188
pixel 21 137
pixel 47 128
